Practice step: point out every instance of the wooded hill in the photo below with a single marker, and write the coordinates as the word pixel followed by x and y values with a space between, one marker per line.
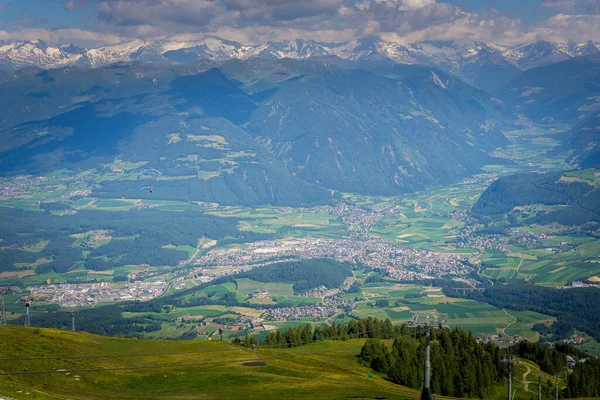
pixel 579 199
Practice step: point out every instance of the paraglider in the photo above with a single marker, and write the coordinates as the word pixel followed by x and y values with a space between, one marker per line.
pixel 150 172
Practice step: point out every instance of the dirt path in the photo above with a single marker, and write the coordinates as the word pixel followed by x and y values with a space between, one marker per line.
pixel 525 276
pixel 510 323
pixel 50 395
pixel 525 382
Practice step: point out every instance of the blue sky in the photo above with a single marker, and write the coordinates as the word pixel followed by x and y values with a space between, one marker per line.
pixel 90 22
pixel 528 10
pixel 47 14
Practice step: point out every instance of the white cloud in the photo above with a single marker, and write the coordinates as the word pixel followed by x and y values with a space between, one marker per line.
pixel 570 6
pixel 77 37
pixel 255 21
pixel 72 5
pixel 415 4
pixel 564 28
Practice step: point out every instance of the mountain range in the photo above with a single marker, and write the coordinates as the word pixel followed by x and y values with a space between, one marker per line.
pixel 288 123
pixel 487 66
pixel 287 132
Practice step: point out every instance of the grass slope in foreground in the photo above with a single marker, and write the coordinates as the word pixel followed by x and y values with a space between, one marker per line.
pixel 209 369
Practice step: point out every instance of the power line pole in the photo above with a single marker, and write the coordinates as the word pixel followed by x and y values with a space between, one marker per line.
pixel 428 320
pixel 426 393
pixel 539 376
pixel 510 378
pixel 556 377
pixel 73 321
pixel 510 360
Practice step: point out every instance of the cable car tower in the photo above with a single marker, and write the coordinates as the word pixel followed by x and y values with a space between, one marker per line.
pixel 428 320
pixel 27 306
pixel 73 320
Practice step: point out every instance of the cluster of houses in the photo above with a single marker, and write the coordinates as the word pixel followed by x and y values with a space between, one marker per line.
pixel 306 311
pixel 374 253
pixel 500 338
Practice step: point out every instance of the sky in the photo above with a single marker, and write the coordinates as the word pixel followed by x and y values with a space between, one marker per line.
pixel 92 23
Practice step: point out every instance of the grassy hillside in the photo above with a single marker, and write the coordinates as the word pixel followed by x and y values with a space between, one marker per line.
pixel 99 367
pixel 207 369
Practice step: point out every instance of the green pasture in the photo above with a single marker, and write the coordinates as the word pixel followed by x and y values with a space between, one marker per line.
pixel 322 370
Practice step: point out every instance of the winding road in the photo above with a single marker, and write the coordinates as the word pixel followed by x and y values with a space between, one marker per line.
pixel 510 323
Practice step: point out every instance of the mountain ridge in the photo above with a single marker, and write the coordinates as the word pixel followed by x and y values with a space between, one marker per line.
pixel 463 58
pixel 252 132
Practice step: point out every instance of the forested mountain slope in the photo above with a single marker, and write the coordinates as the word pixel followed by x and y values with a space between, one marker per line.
pixel 582 143
pixel 568 198
pixel 560 93
pixel 248 132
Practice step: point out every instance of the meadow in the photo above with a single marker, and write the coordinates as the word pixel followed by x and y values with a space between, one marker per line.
pixel 82 366
pixel 182 369
pixel 480 318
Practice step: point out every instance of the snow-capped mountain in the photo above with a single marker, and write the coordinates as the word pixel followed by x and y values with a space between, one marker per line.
pixel 14 55
pixel 469 60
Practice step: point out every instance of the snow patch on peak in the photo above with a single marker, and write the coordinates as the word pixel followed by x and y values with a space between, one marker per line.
pixel 450 56
pixel 437 80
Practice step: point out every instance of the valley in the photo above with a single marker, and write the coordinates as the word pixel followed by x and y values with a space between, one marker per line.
pixel 325 199
pixel 396 241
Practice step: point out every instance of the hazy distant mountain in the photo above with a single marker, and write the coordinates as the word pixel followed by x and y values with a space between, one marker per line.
pixel 353 130
pixel 566 92
pixel 251 132
pixel 487 66
pixel 583 143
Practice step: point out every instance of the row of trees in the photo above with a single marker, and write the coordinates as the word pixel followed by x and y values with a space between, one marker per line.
pixel 106 320
pixel 461 367
pixel 584 381
pixel 549 360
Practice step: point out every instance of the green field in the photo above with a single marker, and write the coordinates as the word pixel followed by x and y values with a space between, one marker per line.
pixel 213 369
pixel 416 219
pixel 480 318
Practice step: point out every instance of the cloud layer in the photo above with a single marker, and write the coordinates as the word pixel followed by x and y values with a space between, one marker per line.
pixel 253 21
